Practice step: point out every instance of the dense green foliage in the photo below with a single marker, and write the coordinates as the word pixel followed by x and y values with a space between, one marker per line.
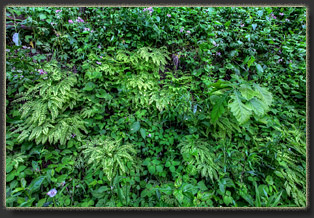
pixel 156 107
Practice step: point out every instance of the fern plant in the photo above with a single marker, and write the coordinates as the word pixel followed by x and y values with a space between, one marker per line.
pixel 199 157
pixel 110 156
pixel 45 113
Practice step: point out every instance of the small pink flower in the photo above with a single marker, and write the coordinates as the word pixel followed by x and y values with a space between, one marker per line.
pixel 188 31
pixel 52 193
pixel 149 135
pixel 97 62
pixel 70 21
pixel 242 25
pixel 57 11
pixel 101 57
pixel 281 14
pixel 181 30
pixel 168 15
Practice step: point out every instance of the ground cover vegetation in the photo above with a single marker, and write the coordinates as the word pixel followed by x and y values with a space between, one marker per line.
pixel 156 107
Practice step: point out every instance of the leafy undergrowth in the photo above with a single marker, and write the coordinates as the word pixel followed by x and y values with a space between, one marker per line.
pixel 156 107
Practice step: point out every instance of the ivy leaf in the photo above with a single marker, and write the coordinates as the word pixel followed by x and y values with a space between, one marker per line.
pixel 241 112
pixel 151 169
pixel 135 127
pixel 89 86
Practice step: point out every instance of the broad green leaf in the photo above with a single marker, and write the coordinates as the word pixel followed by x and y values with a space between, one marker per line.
pixel 42 16
pixel 264 94
pixel 35 184
pixel 259 68
pixel 241 112
pixel 100 192
pixel 89 86
pixel 202 186
pixel 179 195
pixel 143 133
pixel 151 169
pixel 135 127
pixel 258 107
pixel 247 92
pixel 41 202
pixel 159 168
pixel 251 61
pixel 172 169
pixel 218 108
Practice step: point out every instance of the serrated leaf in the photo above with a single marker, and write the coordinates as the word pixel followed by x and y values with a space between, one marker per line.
pixel 241 112
pixel 258 107
pixel 264 94
pixel 247 92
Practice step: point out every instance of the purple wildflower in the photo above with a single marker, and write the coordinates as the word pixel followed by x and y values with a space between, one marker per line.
pixel 214 43
pixel 182 29
pixel 101 56
pixel 287 19
pixel 86 29
pixel 15 75
pixel 188 31
pixel 22 76
pixel 281 14
pixel 70 21
pixel 79 20
pixel 273 16
pixel 73 135
pixel 149 135
pixel 168 15
pixel 41 72
pixel 150 9
pixel 242 25
pixel 97 62
pixel 218 53
pixel 57 11
pixel 279 60
pixel 52 193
